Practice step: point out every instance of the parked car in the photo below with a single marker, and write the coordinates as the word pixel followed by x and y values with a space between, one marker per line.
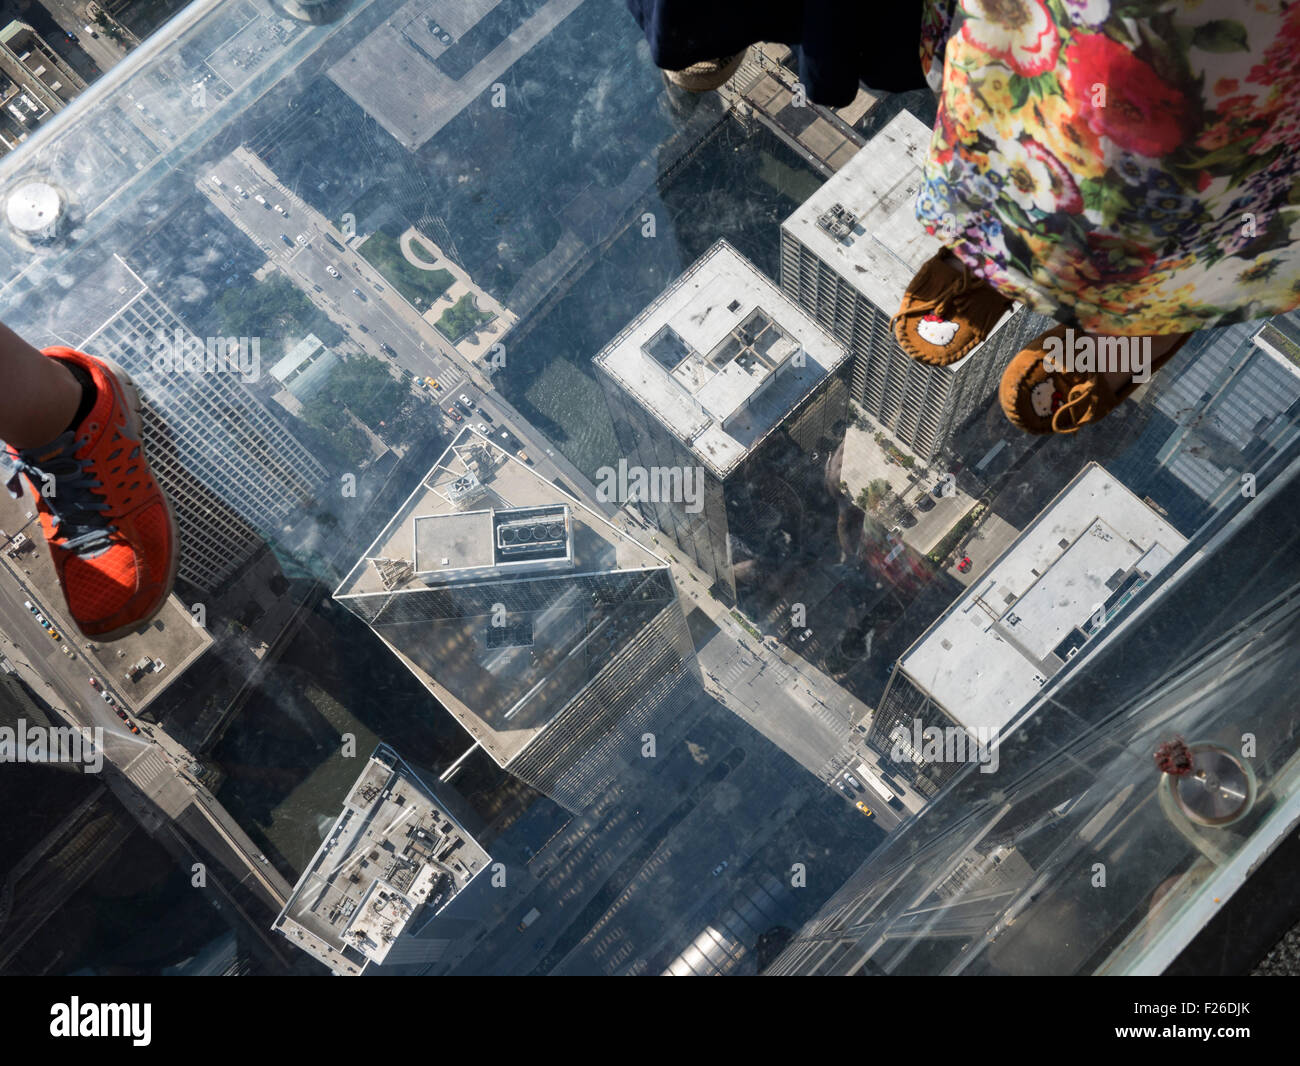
pixel 482 428
pixel 302 240
pixel 455 415
pixel 466 401
pixel 94 683
pixel 287 240
pixel 853 781
pixel 133 727
pixel 864 808
pixel 280 210
pixel 121 714
pixel 329 269
pixel 717 870
pixel 107 697
pixel 964 565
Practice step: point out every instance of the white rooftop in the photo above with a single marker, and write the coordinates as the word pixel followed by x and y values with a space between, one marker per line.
pixel 878 187
pixel 991 651
pixel 721 357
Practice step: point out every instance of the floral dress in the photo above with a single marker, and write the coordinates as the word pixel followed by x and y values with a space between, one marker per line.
pixel 1122 166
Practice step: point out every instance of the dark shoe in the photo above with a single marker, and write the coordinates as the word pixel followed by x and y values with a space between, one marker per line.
pixel 710 74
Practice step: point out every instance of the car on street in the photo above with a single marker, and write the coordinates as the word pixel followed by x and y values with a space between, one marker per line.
pixel 717 870
pixel 70 36
pixel 261 200
pixel 461 407
pixel 524 456
pixel 485 414
pixel 455 415
pixel 218 182
pixel 864 808
pixel 302 240
pixel 469 404
pixel 386 348
pixel 329 269
pixel 358 294
pixel 279 210
pixel 287 239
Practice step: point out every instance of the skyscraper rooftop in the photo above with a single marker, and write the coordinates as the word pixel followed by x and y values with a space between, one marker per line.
pixel 501 592
pixel 721 357
pixel 863 220
pixel 1075 565
pixel 393 850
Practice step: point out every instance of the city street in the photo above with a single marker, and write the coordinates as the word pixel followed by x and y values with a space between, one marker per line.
pixel 379 315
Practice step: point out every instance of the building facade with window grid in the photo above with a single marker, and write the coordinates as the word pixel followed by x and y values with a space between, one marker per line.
pixel 233 473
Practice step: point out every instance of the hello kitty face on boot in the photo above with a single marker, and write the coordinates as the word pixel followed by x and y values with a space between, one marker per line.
pixel 937 331
pixel 1044 398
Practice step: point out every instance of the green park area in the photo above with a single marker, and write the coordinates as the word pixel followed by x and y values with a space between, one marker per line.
pixel 462 318
pixel 422 287
pixel 364 387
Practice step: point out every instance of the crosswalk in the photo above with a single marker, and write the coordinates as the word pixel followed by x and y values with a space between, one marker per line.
pixel 146 769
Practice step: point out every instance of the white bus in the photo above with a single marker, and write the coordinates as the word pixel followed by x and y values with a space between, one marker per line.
pixel 874 783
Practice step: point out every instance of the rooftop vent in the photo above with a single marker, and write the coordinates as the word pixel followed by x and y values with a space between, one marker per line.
pixel 838 221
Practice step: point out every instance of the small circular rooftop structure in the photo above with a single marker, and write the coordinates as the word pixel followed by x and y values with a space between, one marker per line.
pixel 34 210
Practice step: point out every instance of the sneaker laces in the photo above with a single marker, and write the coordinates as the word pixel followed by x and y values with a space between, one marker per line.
pixel 76 509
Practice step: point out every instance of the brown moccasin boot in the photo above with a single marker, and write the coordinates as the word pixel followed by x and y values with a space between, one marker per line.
pixel 1048 389
pixel 946 311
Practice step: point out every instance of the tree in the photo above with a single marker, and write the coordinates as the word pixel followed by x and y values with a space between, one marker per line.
pixel 870 498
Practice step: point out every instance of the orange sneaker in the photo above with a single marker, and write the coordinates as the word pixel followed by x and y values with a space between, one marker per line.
pixel 111 532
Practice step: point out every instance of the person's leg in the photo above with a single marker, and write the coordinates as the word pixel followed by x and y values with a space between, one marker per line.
pixel 40 396
pixel 71 428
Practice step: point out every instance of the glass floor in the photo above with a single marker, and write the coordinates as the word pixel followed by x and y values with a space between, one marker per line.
pixel 575 577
